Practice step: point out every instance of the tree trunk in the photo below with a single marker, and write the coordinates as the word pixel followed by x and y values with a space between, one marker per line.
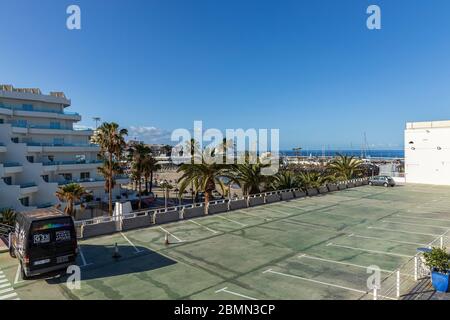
pixel 110 185
pixel 140 197
pixel 146 184
pixel 151 180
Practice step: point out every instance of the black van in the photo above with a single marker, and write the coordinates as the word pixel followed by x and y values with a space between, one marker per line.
pixel 44 240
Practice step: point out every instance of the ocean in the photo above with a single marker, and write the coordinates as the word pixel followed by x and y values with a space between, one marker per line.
pixel 389 154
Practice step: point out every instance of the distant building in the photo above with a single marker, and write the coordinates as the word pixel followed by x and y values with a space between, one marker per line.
pixel 427 152
pixel 40 149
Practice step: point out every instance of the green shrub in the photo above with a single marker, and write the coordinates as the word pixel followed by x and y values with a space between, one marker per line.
pixel 437 258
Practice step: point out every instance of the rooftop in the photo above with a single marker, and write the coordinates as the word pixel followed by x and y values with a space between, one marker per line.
pixel 32 94
pixel 428 124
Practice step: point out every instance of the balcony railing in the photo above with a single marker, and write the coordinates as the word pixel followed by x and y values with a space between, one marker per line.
pixel 19 108
pixel 56 163
pixel 35 126
pixel 44 144
pixel 11 164
pixel 97 179
pixel 27 185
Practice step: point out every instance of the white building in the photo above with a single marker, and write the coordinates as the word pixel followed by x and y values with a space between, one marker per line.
pixel 427 152
pixel 40 149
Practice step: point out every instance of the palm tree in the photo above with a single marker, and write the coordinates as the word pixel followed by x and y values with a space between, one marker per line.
pixel 112 145
pixel 166 186
pixel 150 166
pixel 249 177
pixel 311 179
pixel 70 193
pixel 8 216
pixel 203 177
pixel 138 155
pixel 345 167
pixel 284 180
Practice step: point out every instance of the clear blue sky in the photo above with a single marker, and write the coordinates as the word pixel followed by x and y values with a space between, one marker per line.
pixel 310 68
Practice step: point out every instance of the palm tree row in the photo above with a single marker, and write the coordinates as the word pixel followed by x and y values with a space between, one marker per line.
pixel 205 177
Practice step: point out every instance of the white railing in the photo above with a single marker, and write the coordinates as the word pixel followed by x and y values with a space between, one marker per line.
pixel 131 215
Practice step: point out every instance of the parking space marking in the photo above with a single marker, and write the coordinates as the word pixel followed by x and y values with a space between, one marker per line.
pixel 235 293
pixel 132 244
pixel 386 240
pixel 6 289
pixel 369 250
pixel 83 259
pixel 403 231
pixel 7 296
pixel 419 218
pixel 415 224
pixel 237 222
pixel 205 227
pixel 176 238
pixel 322 283
pixel 17 278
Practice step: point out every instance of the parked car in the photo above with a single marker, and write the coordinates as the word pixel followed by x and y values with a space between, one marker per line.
pixel 385 181
pixel 44 240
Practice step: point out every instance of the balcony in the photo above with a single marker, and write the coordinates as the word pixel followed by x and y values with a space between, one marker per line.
pixel 12 167
pixel 61 147
pixel 42 113
pixel 96 182
pixel 69 165
pixel 27 188
pixel 19 127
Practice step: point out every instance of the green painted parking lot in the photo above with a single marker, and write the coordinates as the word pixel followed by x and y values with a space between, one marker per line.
pixel 309 248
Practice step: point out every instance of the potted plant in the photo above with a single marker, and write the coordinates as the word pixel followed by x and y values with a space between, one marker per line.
pixel 438 261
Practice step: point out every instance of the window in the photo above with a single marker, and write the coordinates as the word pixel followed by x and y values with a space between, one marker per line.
pixel 58 141
pixel 51 158
pixel 8 180
pixel 55 125
pixel 84 175
pixel 45 177
pixel 66 176
pixel 30 159
pixel 25 201
pixel 81 158
pixel 27 107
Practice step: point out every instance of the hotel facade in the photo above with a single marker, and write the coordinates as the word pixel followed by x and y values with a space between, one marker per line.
pixel 40 150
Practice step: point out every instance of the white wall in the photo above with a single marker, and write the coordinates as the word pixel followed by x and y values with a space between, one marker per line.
pixel 426 164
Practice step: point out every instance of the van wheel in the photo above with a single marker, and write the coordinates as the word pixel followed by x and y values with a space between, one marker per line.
pixel 385 184
pixel 22 273
pixel 12 253
pixel 370 184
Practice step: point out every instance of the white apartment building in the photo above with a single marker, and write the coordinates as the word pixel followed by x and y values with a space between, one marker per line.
pixel 427 152
pixel 40 150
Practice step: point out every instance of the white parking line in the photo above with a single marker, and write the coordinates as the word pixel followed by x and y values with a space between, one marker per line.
pixel 209 229
pixel 368 250
pixel 17 277
pixel 419 218
pixel 5 285
pixel 403 231
pixel 322 283
pixel 415 224
pixel 132 244
pixel 3 280
pixel 176 238
pixel 7 296
pixel 386 240
pixel 6 290
pixel 281 212
pixel 83 259
pixel 306 256
pixel 237 222
pixel 235 293
pixel 255 215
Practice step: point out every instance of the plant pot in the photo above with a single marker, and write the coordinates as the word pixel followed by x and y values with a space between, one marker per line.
pixel 439 281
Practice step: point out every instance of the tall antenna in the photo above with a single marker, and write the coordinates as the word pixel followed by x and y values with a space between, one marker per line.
pixel 96 119
pixel 365 146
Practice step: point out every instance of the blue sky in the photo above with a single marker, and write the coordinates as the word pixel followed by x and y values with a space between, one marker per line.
pixel 310 68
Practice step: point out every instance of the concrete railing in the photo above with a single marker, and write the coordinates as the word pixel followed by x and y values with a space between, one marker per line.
pixel 146 218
